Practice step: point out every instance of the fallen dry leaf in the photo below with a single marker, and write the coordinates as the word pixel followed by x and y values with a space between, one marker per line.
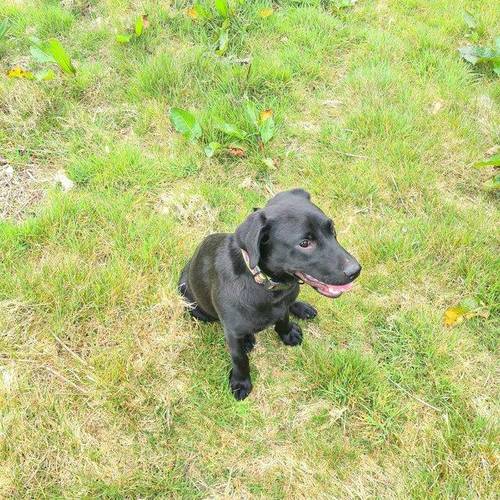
pixel 436 107
pixel 332 103
pixel 8 171
pixel 237 152
pixel 191 12
pixel 467 308
pixel 266 114
pixel 145 21
pixel 454 315
pixel 493 150
pixel 271 162
pixel 266 12
pixel 6 379
pixel 247 182
pixel 64 181
pixel 18 72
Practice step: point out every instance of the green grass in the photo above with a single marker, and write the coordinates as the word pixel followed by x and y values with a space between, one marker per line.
pixel 108 390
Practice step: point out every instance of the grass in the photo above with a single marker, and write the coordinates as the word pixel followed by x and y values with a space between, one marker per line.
pixel 108 390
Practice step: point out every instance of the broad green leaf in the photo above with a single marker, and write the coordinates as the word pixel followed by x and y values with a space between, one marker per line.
pixel 4 28
pixel 123 38
pixel 39 51
pixel 185 123
pixel 494 161
pixel 202 12
pixel 266 12
pixel 40 56
pixel 267 130
pixel 222 7
pixel 61 56
pixel 492 184
pixel 141 24
pixel 18 72
pixel 51 52
pixel 470 304
pixel 252 113
pixel 35 41
pixel 47 74
pixel 470 20
pixel 477 54
pixel 232 130
pixel 211 149
pixel 222 43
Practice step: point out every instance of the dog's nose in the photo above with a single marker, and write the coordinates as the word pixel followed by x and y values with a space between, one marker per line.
pixel 352 270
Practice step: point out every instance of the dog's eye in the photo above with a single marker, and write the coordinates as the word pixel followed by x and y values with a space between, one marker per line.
pixel 305 243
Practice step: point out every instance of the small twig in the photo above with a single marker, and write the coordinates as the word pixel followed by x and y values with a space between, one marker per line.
pixel 401 199
pixel 352 155
pixel 37 468
pixel 64 346
pixel 63 378
pixel 413 395
pixel 362 210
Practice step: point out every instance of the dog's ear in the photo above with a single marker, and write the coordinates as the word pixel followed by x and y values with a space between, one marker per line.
pixel 301 192
pixel 249 235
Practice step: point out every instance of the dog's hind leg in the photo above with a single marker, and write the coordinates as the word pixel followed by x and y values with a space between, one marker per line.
pixel 192 307
pixel 302 310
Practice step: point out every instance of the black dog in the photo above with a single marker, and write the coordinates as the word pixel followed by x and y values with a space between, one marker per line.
pixel 249 280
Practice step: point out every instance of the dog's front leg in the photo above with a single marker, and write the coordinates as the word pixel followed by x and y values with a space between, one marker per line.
pixel 290 333
pixel 239 379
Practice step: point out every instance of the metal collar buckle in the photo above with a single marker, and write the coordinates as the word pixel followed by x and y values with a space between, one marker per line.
pixel 260 277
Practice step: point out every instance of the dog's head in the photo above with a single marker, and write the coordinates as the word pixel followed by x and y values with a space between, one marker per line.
pixel 292 237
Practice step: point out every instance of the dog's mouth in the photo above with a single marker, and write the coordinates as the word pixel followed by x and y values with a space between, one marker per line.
pixel 324 288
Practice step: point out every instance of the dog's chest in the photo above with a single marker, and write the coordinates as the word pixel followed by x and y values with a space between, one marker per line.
pixel 268 309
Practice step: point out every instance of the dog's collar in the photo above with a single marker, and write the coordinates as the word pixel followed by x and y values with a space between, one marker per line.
pixel 261 278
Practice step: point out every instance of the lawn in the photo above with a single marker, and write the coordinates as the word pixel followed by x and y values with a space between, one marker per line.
pixel 108 390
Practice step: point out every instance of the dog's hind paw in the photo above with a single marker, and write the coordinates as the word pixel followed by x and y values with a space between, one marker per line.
pixel 303 310
pixel 293 336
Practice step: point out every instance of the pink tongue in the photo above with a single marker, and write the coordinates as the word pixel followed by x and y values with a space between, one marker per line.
pixel 324 288
pixel 339 288
pixel 333 290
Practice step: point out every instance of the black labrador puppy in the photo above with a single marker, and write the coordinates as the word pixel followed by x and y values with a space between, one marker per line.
pixel 249 280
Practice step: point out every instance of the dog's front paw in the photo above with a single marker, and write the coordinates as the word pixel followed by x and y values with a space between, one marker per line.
pixel 303 310
pixel 240 388
pixel 293 336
